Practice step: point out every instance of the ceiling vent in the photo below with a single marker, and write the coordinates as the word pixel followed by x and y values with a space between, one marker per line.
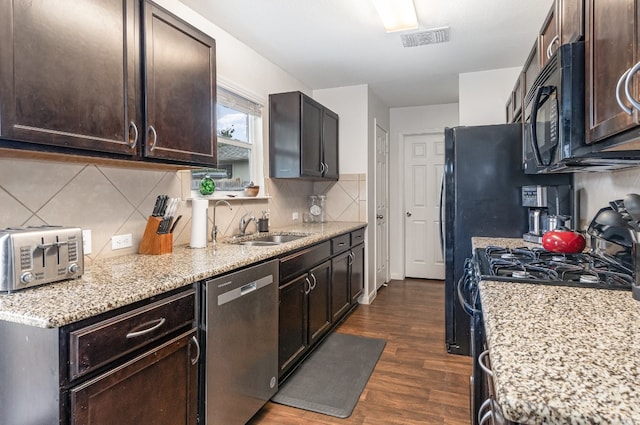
pixel 432 36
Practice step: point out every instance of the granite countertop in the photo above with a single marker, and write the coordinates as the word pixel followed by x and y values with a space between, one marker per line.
pixel 115 282
pixel 562 354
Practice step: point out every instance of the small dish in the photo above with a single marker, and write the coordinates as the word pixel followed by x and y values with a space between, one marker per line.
pixel 251 191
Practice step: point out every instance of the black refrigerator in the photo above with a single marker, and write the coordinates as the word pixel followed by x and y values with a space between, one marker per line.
pixel 482 184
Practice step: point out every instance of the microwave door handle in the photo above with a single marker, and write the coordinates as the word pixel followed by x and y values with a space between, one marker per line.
pixel 627 84
pixel 534 119
pixel 622 106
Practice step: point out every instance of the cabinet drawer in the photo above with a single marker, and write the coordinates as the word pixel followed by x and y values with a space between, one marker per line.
pixel 340 243
pixel 357 236
pixel 99 344
pixel 302 261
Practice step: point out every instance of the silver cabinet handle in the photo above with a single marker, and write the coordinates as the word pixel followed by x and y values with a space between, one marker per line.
pixel 408 213
pixel 321 167
pixel 153 133
pixel 326 168
pixel 351 257
pixel 554 40
pixel 315 282
pixel 134 142
pixel 483 366
pixel 622 106
pixel 159 323
pixel 627 86
pixel 486 417
pixel 197 344
pixel 308 285
pixel 486 404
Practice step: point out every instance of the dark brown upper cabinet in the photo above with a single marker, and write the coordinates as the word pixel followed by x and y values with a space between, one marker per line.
pixel 570 15
pixel 73 78
pixel 303 138
pixel 564 24
pixel 180 81
pixel 611 51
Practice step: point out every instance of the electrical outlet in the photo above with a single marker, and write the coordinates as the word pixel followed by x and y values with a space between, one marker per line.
pixel 295 215
pixel 121 241
pixel 86 241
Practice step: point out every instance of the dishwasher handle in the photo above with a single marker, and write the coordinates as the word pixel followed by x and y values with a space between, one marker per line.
pixel 246 289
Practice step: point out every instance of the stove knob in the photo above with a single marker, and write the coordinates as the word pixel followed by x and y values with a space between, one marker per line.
pixel 73 268
pixel 26 277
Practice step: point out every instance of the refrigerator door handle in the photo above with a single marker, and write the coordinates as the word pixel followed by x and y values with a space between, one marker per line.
pixel 440 214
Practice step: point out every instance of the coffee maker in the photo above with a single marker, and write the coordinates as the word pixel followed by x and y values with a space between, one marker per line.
pixel 549 209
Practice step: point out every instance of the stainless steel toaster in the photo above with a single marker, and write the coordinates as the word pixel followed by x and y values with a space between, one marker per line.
pixel 32 256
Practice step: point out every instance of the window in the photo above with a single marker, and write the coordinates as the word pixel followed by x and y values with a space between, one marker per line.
pixel 239 122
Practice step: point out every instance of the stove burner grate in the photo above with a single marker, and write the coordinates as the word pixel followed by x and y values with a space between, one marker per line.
pixel 537 265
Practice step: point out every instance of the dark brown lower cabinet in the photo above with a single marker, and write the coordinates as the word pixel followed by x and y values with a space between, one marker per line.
pixel 340 291
pixel 159 387
pixel 292 334
pixel 305 314
pixel 134 365
pixel 356 273
pixel 319 301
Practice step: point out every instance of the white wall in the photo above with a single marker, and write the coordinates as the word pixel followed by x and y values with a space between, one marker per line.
pixel 483 95
pixel 407 121
pixel 350 103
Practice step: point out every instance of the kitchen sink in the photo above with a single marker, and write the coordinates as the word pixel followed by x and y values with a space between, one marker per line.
pixel 269 240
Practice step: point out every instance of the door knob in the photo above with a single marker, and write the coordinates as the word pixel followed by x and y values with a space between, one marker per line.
pixel 379 216
pixel 408 213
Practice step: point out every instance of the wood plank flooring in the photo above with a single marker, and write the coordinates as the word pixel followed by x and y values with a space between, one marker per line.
pixel 415 381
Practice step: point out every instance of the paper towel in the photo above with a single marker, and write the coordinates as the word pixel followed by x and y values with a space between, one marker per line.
pixel 199 223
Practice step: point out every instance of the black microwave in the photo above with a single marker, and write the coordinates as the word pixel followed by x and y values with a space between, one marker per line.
pixel 554 120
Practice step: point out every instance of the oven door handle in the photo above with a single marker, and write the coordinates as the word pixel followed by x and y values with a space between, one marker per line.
pixel 540 91
pixel 465 305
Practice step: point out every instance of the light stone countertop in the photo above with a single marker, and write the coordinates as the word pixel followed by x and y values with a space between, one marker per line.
pixel 115 282
pixel 562 354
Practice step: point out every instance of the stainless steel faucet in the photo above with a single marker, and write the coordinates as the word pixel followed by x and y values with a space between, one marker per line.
pixel 214 231
pixel 244 222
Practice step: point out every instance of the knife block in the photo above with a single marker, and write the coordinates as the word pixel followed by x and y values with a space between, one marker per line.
pixel 152 242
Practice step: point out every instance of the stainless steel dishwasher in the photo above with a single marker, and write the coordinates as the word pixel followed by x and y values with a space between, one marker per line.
pixel 240 327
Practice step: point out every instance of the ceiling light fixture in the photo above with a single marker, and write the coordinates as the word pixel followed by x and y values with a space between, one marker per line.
pixel 397 15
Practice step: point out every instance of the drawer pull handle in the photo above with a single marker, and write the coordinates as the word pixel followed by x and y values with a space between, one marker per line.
pixel 341 244
pixel 159 323
pixel 195 341
pixel 482 364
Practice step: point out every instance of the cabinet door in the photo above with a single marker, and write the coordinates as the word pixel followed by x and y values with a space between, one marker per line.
pixel 311 143
pixel 69 73
pixel 180 83
pixel 340 295
pixel 330 144
pixel 357 273
pixel 319 301
pixel 292 327
pixel 159 387
pixel 571 16
pixel 548 40
pixel 611 44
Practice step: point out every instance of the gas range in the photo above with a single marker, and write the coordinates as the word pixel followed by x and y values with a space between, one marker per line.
pixel 536 265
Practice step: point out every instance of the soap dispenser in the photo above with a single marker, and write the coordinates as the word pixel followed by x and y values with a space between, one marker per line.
pixel 263 222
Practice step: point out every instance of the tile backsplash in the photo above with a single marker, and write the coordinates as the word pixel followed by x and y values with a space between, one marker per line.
pixel 115 200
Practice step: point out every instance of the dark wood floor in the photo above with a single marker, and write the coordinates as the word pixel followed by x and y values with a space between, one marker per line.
pixel 415 380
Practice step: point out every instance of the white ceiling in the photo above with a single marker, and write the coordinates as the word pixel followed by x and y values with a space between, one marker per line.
pixel 336 43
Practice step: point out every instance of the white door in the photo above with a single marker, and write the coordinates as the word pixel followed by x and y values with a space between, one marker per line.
pixel 423 167
pixel 382 207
